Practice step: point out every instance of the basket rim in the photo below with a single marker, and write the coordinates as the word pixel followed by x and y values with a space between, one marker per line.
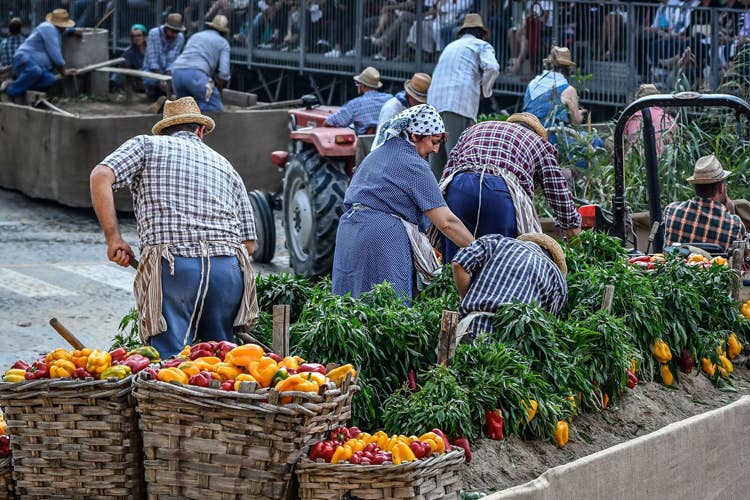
pixel 28 388
pixel 305 464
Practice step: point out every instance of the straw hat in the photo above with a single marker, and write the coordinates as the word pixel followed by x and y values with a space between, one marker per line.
pixel 646 89
pixel 183 110
pixel 548 243
pixel 473 21
pixel 531 120
pixel 174 22
pixel 559 56
pixel 418 86
pixel 370 77
pixel 60 18
pixel 708 170
pixel 219 23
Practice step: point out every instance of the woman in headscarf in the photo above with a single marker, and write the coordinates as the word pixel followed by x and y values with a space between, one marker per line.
pixel 389 204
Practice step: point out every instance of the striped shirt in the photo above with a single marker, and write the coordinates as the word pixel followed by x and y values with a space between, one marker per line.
pixel 500 145
pixel 184 192
pixel 362 111
pixel 8 47
pixel 161 52
pixel 701 220
pixel 504 270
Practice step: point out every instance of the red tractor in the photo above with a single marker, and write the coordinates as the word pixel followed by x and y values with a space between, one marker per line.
pixel 317 168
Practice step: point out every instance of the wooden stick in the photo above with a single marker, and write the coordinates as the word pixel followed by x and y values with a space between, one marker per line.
pixel 95 66
pixel 55 108
pixel 281 315
pixel 135 72
pixel 609 295
pixel 65 333
pixel 447 339
pixel 104 18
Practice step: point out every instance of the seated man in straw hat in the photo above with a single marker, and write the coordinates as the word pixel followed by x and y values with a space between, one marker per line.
pixel 707 217
pixel 496 270
pixel 491 175
pixel 35 59
pixel 163 45
pixel 202 70
pixel 362 111
pixel 195 227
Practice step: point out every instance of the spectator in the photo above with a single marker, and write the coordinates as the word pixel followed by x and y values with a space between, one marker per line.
pixel 133 56
pixel 392 40
pixel 9 45
pixel 362 111
pixel 465 71
pixel 415 92
pixel 664 124
pixel 163 46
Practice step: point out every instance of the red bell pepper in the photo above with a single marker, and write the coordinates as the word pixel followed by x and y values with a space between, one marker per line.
pixel 4 446
pixel 118 354
pixel 340 434
pixel 136 362
pixel 201 379
pixel 153 371
pixel 632 380
pixel 354 432
pixel 444 438
pixel 20 365
pixel 494 424
pixel 81 374
pixel 462 442
pixel 686 361
pixel 222 348
pixel 324 450
pixel 227 385
pixel 274 356
pixel 412 380
pixel 418 448
pixel 37 370
pixel 172 363
pixel 311 367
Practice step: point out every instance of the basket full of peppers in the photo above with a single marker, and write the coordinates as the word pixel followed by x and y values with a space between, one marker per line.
pixel 356 462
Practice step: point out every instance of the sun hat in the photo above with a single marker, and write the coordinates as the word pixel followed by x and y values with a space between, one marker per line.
pixel 219 23
pixel 559 56
pixel 183 110
pixel 418 86
pixel 646 89
pixel 548 243
pixel 473 21
pixel 708 170
pixel 174 22
pixel 531 120
pixel 370 77
pixel 60 18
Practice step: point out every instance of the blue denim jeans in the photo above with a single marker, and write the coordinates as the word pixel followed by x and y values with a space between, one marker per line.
pixel 29 76
pixel 192 83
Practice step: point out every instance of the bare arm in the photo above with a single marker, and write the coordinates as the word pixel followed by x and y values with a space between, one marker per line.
pixel 250 245
pixel 570 99
pixel 101 180
pixel 450 225
pixel 462 279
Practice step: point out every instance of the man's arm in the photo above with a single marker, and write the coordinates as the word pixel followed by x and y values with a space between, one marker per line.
pixel 101 180
pixel 490 68
pixel 462 279
pixel 557 193
pixel 53 47
pixel 341 118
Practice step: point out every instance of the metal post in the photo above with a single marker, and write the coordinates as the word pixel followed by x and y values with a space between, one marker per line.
pixel 302 35
pixel 358 34
pixel 418 52
pixel 631 52
pixel 652 178
pixel 250 34
pixel 715 69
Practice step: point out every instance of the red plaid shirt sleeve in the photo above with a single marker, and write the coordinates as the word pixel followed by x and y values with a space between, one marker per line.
pixel 556 192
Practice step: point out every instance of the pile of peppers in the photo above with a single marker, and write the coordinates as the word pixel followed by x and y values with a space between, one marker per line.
pixel 4 438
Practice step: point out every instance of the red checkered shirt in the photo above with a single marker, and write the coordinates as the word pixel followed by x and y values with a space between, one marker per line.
pixel 495 145
pixel 701 220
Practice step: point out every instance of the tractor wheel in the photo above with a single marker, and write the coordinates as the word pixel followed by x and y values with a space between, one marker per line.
pixel 265 227
pixel 312 204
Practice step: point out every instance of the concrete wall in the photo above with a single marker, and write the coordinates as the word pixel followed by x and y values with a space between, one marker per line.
pixel 704 457
pixel 47 155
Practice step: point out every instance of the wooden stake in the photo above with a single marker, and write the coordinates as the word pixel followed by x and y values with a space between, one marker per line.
pixel 609 295
pixel 281 329
pixel 447 340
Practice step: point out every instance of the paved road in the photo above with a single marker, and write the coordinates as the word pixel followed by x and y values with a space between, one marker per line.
pixel 53 264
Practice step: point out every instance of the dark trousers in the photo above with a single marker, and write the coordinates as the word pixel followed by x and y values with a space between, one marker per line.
pixel 454 126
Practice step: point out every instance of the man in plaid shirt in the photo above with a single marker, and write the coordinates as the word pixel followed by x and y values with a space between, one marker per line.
pixel 362 111
pixel 196 230
pixel 163 45
pixel 9 45
pixel 705 218
pixel 491 174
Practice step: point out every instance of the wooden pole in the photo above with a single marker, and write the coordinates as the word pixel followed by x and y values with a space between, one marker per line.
pixel 65 333
pixel 281 329
pixel 609 295
pixel 447 339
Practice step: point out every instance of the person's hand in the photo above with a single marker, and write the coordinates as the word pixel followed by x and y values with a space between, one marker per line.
pixel 163 86
pixel 250 245
pixel 68 72
pixel 119 252
pixel 570 233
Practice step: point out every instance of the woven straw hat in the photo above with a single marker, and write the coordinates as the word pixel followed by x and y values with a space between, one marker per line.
pixel 418 86
pixel 531 120
pixel 370 77
pixel 183 110
pixel 646 89
pixel 60 18
pixel 548 243
pixel 219 23
pixel 708 170
pixel 174 22
pixel 559 56
pixel 473 21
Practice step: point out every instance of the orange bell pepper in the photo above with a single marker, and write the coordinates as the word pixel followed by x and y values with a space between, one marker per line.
pixel 243 355
pixel 206 363
pixel 172 374
pixel 433 439
pixel 189 368
pixel 61 368
pixel 289 363
pixel 225 371
pixel 531 409
pixel 561 433
pixel 58 354
pixel 81 357
pixel 263 370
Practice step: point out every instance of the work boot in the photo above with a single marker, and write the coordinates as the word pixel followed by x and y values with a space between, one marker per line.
pixel 4 85
pixel 158 105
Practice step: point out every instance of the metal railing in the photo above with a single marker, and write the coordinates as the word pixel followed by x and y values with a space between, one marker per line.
pixel 617 45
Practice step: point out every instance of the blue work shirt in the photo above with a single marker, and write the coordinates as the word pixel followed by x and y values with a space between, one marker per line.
pixel 44 46
pixel 161 53
pixel 206 51
pixel 362 111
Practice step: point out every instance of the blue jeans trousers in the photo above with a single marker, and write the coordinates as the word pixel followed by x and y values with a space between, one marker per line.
pixel 192 83
pixel 29 76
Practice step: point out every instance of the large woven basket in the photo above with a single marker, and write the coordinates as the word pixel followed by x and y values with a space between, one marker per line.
pixel 211 444
pixel 6 479
pixel 436 477
pixel 73 439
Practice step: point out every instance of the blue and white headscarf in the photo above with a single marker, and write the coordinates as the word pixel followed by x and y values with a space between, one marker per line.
pixel 421 119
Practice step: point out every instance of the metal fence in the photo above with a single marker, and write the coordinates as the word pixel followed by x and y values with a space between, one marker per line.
pixel 617 45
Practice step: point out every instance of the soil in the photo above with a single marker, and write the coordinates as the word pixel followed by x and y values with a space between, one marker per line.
pixel 85 106
pixel 497 465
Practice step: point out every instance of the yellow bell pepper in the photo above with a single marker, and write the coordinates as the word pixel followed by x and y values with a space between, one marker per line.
pixel 402 453
pixel 381 439
pixel 14 375
pixel 316 377
pixel 184 353
pixel 243 377
pixel 243 355
pixel 561 433
pixel 338 375
pixel 225 371
pixel 356 444
pixel 97 362
pixel 734 347
pixel 3 424
pixel 726 367
pixel 62 368
pixel 633 365
pixel 263 370
pixel 666 375
pixel 661 352
pixel 708 367
pixel 81 357
pixel 289 363
pixel 719 260
pixel 432 438
pixel 189 368
pixel 531 409
pixel 172 374
pixel 58 354
pixel 342 454
pixel 207 363
pixel 118 371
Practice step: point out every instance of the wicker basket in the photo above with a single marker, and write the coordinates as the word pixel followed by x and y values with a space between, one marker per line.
pixel 73 438
pixel 6 479
pixel 211 444
pixel 436 477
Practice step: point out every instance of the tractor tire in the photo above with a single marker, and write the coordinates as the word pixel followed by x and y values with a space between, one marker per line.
pixel 265 227
pixel 312 202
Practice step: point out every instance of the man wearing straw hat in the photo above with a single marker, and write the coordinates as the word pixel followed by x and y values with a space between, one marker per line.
pixel 362 111
pixel 707 217
pixel 415 92
pixel 496 270
pixel 35 59
pixel 163 45
pixel 202 70
pixel 466 71
pixel 195 226
pixel 549 96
